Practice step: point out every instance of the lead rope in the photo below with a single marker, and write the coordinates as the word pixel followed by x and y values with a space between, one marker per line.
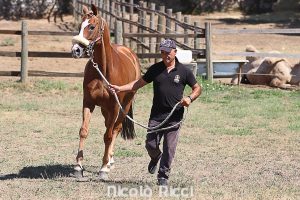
pixel 152 129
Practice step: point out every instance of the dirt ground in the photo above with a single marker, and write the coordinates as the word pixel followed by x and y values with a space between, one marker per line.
pixel 221 43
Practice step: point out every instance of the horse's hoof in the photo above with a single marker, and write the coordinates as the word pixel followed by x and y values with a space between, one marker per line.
pixel 103 176
pixel 112 166
pixel 78 171
pixel 78 174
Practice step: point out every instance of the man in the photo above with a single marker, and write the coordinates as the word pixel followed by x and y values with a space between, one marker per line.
pixel 169 78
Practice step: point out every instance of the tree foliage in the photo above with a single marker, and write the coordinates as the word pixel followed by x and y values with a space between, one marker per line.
pixel 196 6
pixel 15 9
pixel 246 6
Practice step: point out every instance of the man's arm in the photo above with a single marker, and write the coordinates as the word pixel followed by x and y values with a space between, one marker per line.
pixel 196 91
pixel 132 86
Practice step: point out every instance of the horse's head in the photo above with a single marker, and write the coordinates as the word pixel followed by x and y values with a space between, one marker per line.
pixel 91 31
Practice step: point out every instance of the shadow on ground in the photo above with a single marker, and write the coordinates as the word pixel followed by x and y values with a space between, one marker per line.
pixel 41 172
pixel 63 171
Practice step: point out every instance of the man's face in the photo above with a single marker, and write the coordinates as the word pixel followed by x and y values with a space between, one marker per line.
pixel 168 57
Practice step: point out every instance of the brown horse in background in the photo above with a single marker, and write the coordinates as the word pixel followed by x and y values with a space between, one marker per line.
pixel 119 65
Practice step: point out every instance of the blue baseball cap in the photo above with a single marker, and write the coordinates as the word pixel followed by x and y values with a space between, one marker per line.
pixel 167 45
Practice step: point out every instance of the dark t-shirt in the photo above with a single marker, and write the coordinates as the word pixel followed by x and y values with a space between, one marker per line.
pixel 168 89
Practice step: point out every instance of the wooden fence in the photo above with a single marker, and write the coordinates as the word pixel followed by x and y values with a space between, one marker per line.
pixel 25 53
pixel 142 37
pixel 293 31
pixel 142 27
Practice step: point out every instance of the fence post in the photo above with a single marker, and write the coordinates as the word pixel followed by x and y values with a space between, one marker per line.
pixel 131 18
pixel 125 15
pixel 123 8
pixel 119 9
pixel 112 11
pixel 118 32
pixel 152 26
pixel 140 30
pixel 208 52
pixel 186 20
pixel 177 27
pixel 79 10
pixel 196 39
pixel 168 21
pixel 101 6
pixel 160 28
pixel 24 52
pixel 107 8
pixel 144 23
pixel 74 11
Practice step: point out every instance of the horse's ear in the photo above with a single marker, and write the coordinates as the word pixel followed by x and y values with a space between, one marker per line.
pixel 94 9
pixel 85 9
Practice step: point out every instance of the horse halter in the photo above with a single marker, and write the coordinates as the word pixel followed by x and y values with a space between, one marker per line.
pixel 90 47
pixel 89 44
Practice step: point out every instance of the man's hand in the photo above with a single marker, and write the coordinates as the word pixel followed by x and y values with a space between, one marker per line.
pixel 186 101
pixel 114 88
pixel 129 87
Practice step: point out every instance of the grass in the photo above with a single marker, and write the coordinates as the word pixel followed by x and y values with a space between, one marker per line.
pixel 236 143
pixel 7 42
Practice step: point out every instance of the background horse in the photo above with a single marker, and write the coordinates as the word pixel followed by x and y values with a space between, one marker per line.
pixel 119 65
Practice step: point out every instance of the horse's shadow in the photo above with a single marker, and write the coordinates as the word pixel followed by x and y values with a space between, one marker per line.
pixel 56 172
pixel 41 172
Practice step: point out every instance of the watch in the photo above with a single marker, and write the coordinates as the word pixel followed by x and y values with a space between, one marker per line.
pixel 190 98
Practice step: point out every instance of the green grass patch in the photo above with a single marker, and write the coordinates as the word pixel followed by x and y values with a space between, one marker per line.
pixel 46 85
pixel 123 152
pixel 7 42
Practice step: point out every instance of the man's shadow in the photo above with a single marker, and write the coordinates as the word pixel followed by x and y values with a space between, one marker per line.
pixel 41 172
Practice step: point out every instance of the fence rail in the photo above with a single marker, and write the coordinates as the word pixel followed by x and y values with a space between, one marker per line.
pixel 257 31
pixel 41 73
pixel 18 32
pixel 257 54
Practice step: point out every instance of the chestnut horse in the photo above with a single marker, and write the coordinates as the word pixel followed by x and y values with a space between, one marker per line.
pixel 119 65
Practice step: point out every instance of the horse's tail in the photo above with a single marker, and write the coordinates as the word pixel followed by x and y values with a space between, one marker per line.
pixel 128 131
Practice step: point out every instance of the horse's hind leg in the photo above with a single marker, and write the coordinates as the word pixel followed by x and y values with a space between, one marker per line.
pixel 83 133
pixel 110 118
pixel 117 129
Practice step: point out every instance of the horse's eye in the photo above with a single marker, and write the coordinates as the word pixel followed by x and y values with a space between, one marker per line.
pixel 92 28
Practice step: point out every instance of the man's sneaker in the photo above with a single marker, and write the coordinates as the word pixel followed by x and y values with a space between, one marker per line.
pixel 162 181
pixel 152 166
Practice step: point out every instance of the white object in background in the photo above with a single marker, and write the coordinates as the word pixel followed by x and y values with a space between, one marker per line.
pixel 184 56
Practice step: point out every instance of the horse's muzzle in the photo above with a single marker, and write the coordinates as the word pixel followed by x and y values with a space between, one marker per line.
pixel 79 44
pixel 77 51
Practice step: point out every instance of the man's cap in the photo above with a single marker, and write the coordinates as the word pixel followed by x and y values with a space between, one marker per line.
pixel 167 45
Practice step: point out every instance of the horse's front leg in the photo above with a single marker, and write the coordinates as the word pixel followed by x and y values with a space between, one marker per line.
pixel 83 133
